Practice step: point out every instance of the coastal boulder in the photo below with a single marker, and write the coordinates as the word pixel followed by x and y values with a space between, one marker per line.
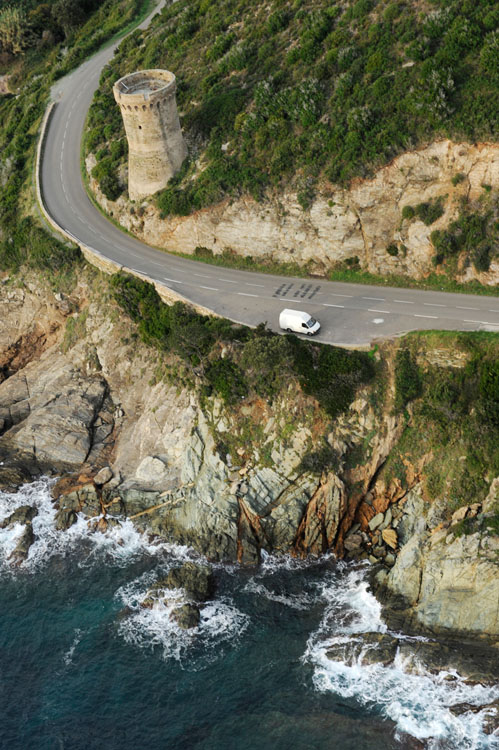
pixel 197 581
pixel 187 616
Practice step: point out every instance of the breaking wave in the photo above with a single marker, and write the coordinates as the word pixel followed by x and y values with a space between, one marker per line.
pixel 417 701
pixel 152 627
pixel 119 544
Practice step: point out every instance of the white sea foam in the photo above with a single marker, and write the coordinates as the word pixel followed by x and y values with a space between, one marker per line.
pixel 417 701
pixel 301 601
pixel 68 655
pixel 272 563
pixel 153 627
pixel 119 543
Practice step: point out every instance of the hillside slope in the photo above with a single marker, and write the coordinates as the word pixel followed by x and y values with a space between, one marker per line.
pixel 289 102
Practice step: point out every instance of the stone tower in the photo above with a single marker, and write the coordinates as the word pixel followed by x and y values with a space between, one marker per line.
pixel 156 146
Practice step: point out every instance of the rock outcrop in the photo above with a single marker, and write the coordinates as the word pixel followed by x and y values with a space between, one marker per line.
pixel 135 446
pixel 361 222
pixel 445 578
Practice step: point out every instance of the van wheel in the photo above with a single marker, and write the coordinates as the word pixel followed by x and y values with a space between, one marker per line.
pixel 309 333
pixel 289 330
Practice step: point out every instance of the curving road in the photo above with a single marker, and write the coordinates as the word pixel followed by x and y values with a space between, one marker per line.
pixel 350 314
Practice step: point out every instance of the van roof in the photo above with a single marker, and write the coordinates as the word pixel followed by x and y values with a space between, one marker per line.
pixel 298 313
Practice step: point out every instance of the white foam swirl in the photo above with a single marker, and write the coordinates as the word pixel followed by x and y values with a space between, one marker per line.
pixel 153 627
pixel 417 701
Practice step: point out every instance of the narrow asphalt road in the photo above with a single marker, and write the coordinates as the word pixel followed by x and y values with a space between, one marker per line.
pixel 350 314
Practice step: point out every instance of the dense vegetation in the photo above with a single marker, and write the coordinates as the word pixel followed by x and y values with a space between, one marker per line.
pixel 296 90
pixel 454 415
pixel 255 361
pixel 39 42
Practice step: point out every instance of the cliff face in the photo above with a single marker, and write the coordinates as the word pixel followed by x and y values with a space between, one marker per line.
pixel 81 396
pixel 361 222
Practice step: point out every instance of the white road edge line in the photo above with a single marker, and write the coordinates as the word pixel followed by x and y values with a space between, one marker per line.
pixel 175 281
pixel 482 322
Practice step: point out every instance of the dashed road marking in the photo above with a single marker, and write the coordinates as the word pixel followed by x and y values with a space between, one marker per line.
pixel 371 309
pixel 331 294
pixel 376 299
pixel 211 288
pixel 325 304
pixel 466 308
pixel 432 304
pixel 404 301
pixel 481 322
pixel 228 281
pixel 175 281
pixel 245 294
pixel 434 317
pixel 260 285
pixel 202 276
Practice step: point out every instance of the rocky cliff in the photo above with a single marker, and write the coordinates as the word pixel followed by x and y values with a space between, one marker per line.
pixel 81 396
pixel 362 225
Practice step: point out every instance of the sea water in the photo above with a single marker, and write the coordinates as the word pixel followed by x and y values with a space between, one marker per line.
pixel 84 665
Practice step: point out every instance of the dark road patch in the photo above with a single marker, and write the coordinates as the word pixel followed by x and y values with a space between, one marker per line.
pixel 293 291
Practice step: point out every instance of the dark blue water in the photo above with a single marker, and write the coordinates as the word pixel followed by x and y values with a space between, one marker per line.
pixel 82 665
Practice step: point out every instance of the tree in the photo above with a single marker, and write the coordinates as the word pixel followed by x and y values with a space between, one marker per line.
pixel 68 14
pixel 15 34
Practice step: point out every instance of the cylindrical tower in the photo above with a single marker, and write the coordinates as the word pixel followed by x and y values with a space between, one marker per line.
pixel 156 148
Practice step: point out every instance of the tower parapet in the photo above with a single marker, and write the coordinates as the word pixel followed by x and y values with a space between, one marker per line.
pixel 156 147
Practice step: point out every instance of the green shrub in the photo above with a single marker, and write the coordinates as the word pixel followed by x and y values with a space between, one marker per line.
pixel 408 212
pixel 407 379
pixel 459 177
pixel 227 380
pixel 430 211
pixel 267 359
pixel 392 250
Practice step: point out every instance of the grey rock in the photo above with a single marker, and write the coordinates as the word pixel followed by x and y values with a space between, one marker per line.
pixel 412 520
pixel 187 616
pixel 353 543
pixel 103 476
pixel 57 429
pixel 24 514
pixel 376 521
pixel 197 581
pixel 64 519
pixel 22 548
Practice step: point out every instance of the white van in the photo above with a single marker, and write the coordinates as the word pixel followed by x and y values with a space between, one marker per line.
pixel 299 322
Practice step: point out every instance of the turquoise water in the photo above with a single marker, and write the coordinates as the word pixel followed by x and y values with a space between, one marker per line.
pixel 82 665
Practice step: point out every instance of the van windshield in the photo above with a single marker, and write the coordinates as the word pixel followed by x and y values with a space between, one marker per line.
pixel 311 323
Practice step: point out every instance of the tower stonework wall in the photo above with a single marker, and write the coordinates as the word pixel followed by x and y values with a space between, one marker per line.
pixel 156 147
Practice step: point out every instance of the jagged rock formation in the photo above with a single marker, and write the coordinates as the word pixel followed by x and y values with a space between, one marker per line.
pixel 134 446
